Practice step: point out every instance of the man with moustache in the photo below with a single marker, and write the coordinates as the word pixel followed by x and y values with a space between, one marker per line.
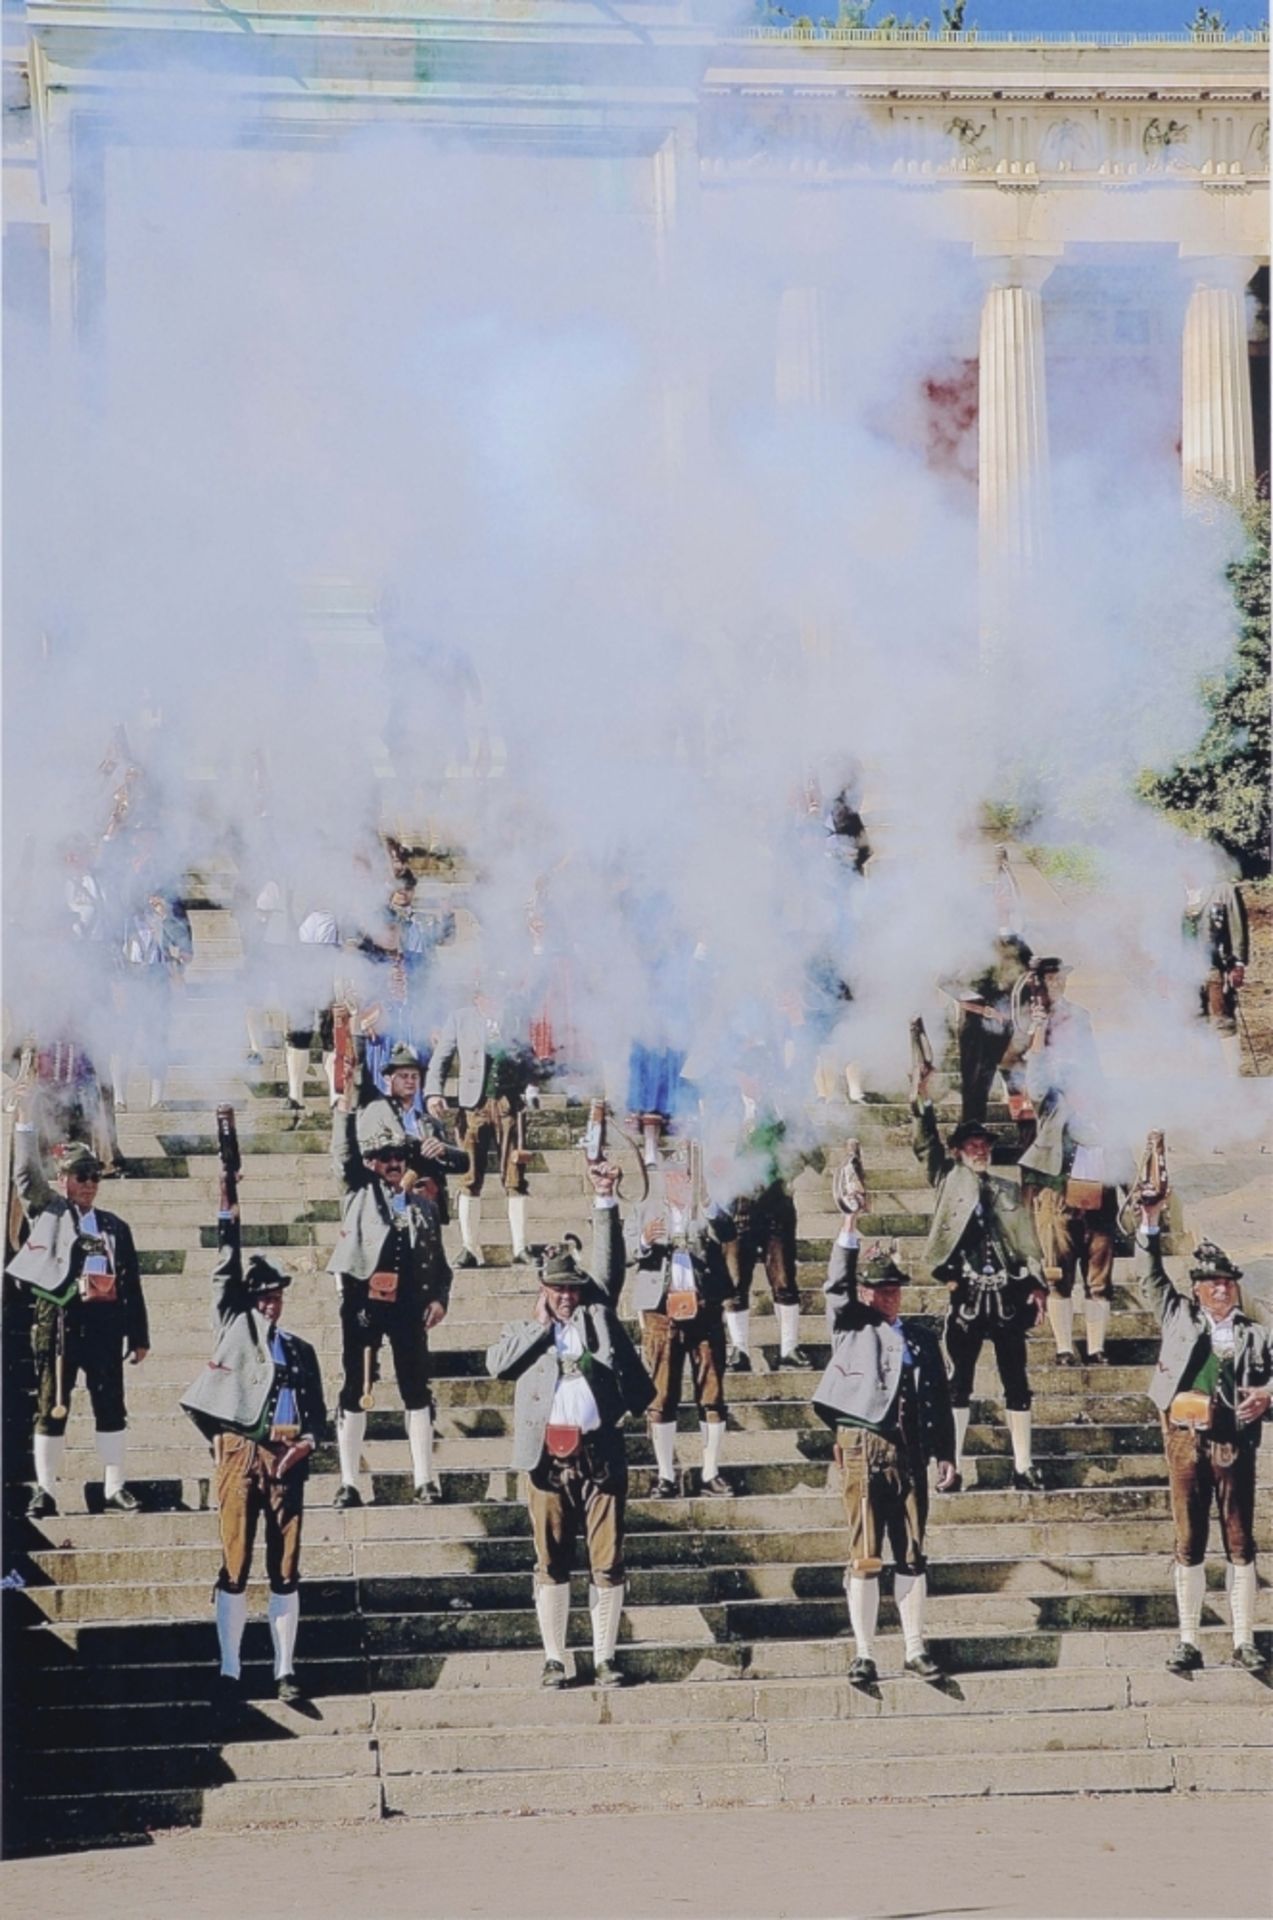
pixel 90 1313
pixel 982 1244
pixel 578 1377
pixel 395 1285
pixel 1213 1387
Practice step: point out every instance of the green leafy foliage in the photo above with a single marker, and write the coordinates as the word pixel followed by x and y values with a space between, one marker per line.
pixel 1221 790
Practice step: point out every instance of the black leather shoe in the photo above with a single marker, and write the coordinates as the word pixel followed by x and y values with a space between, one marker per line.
pixel 553 1676
pixel 862 1672
pixel 924 1667
pixel 1184 1659
pixel 1098 1359
pixel 122 1502
pixel 347 1496
pixel 719 1488
pixel 466 1259
pixel 608 1675
pixel 798 1359
pixel 1251 1658
pixel 41 1505
pixel 428 1494
pixel 288 1689
pixel 1067 1359
pixel 738 1361
pixel 665 1490
pixel 1027 1482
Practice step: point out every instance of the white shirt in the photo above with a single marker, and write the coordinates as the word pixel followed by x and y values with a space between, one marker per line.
pixel 1223 1333
pixel 573 1403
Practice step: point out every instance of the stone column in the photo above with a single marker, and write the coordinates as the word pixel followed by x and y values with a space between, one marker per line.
pixel 1217 442
pixel 1013 419
pixel 800 378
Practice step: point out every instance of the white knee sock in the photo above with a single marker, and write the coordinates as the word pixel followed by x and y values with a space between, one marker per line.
pixel 420 1440
pixel 663 1436
pixel 713 1432
pixel 1019 1425
pixel 329 1074
pixel 552 1605
pixel 254 1036
pixel 110 1451
pixel 1191 1585
pixel 738 1327
pixel 156 1090
pixel 1061 1321
pixel 297 1067
pixel 864 1612
pixel 119 1082
pixel 1241 1584
pixel 788 1329
pixel 605 1605
pixel 351 1429
pixel 853 1082
pixel 471 1224
pixel 911 1591
pixel 517 1204
pixel 285 1613
pixel 1096 1314
pixel 232 1613
pixel 49 1448
pixel 962 1416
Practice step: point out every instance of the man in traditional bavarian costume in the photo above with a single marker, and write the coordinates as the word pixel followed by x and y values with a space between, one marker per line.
pixel 496 1083
pixel 1213 1386
pixel 81 1267
pixel 885 1395
pixel 677 1245
pixel 395 1285
pixel 260 1402
pixel 982 1243
pixel 432 1156
pixel 1068 1174
pixel 578 1375
pixel 765 1230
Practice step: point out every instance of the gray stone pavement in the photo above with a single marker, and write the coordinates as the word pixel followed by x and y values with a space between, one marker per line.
pixel 1120 1857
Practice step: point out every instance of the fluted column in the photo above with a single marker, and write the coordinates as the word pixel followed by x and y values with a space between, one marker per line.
pixel 800 378
pixel 1013 419
pixel 1217 441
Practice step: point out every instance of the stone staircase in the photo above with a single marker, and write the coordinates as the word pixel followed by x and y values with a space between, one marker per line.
pixel 1053 1611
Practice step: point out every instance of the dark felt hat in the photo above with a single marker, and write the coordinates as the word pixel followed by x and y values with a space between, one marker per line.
pixel 262 1276
pixel 558 1265
pixel 879 1268
pixel 1211 1262
pixel 968 1130
pixel 402 1056
pixel 78 1159
pixel 1051 964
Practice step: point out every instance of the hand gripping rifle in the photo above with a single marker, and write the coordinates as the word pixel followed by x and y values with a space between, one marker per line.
pixel 848 1182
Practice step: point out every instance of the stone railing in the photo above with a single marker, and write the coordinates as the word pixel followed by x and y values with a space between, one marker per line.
pixel 826 33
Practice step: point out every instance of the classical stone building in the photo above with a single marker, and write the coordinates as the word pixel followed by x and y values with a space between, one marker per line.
pixel 1045 164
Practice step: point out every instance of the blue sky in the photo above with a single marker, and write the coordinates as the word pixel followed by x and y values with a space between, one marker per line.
pixel 1078 16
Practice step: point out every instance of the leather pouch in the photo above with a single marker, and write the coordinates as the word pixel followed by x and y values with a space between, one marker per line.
pixel 97 1282
pixel 1192 1410
pixel 383 1288
pixel 1083 1195
pixel 682 1303
pixel 563 1443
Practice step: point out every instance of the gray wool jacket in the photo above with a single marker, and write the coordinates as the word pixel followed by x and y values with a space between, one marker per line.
pixel 1186 1337
pixel 525 1352
pixel 54 1252
pixel 704 1242
pixel 232 1391
pixel 867 1356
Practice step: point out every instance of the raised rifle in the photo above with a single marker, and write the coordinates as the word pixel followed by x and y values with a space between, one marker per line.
pixel 921 1048
pixel 848 1182
pixel 1153 1183
pixel 344 1063
pixel 231 1159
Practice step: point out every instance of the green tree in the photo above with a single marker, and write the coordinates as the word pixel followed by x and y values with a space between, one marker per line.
pixel 1221 789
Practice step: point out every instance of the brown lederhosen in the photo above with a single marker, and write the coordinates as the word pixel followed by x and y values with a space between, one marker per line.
pixel 1074 1239
pixel 1219 1002
pixel 590 1491
pixel 896 1482
pixel 1199 1467
pixel 766 1231
pixel 246 1489
pixel 477 1129
pixel 665 1346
